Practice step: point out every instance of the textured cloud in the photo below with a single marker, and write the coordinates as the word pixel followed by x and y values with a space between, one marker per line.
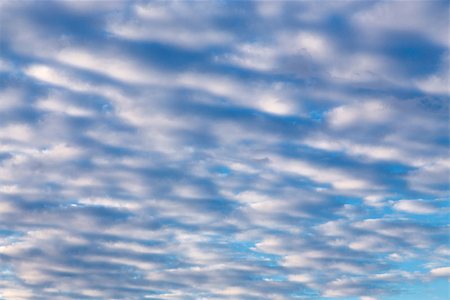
pixel 215 150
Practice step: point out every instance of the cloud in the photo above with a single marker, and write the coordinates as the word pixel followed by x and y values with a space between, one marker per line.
pixel 389 16
pixel 166 150
pixel 50 75
pixel 415 207
pixel 368 298
pixel 108 64
pixel 337 178
pixel 169 20
pixel 367 112
pixel 440 272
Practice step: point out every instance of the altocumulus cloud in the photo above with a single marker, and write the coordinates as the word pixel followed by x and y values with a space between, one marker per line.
pixel 224 150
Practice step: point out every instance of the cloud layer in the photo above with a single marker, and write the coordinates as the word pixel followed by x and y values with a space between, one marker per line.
pixel 221 150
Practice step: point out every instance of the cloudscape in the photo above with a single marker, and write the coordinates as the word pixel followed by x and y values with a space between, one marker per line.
pixel 224 150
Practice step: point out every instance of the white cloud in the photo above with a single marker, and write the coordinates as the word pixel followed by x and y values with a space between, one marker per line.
pixel 19 132
pixel 440 272
pixel 438 84
pixel 375 152
pixel 60 105
pixel 359 68
pixel 316 45
pixel 112 65
pixel 281 55
pixel 374 200
pixel 303 278
pixel 415 206
pixel 183 178
pixel 425 19
pixel 359 113
pixel 174 24
pixel 185 37
pixel 430 176
pixel 367 298
pixel 56 77
pixel 344 287
pixel 273 99
pixel 6 207
pixel 339 179
pixel 252 56
pixel 17 292
pixel 11 98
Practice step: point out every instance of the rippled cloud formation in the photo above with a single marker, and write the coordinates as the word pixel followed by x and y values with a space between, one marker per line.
pixel 224 150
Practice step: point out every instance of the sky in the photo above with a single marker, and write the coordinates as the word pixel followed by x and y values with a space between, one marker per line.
pixel 224 150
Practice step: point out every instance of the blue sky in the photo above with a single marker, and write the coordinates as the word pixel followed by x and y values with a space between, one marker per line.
pixel 224 150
